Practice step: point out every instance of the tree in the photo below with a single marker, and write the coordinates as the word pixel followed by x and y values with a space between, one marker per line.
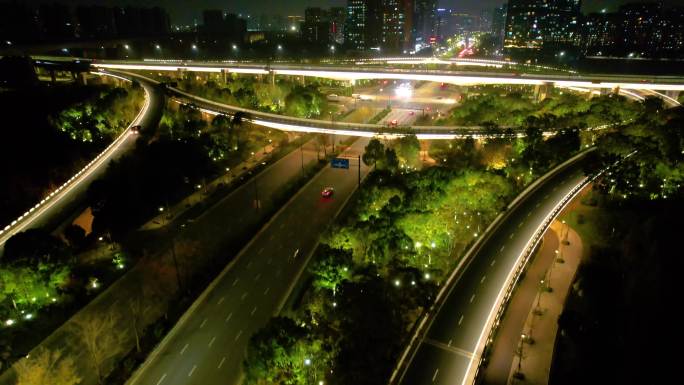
pixel 282 353
pixel 47 367
pixel 75 235
pixel 34 246
pixel 100 335
pixel 331 268
pixel 373 152
pixel 408 150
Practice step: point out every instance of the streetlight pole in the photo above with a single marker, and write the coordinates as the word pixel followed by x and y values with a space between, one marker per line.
pixel 522 339
pixel 301 151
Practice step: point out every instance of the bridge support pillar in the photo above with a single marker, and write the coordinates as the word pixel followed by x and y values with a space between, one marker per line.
pixel 53 76
pixel 673 94
pixel 82 79
pixel 541 91
pixel 224 76
pixel 271 75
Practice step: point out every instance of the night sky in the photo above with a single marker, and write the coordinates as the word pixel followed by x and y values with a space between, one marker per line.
pixel 185 11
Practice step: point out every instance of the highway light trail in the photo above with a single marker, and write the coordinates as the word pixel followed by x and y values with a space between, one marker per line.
pixel 461 78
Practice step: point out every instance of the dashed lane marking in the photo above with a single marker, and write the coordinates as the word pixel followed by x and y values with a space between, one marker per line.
pixel 237 337
pixel 459 324
pixel 221 363
pixel 161 379
pixel 184 347
pixel 203 323
pixel 229 316
pixel 212 341
pixel 472 298
pixel 192 370
pixel 435 375
pixel 483 279
pixel 253 311
pixel 221 300
pixel 266 291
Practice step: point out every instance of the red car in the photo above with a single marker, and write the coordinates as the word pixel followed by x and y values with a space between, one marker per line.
pixel 411 113
pixel 327 192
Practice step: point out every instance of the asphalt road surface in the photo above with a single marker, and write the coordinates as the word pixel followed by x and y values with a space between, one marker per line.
pixel 444 353
pixel 208 348
pixel 62 205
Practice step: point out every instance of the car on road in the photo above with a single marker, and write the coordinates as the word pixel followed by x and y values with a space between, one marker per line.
pixel 327 192
pixel 411 113
pixel 333 97
pixel 393 122
pixel 136 129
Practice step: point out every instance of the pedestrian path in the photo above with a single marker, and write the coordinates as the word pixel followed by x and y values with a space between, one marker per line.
pixel 541 324
pixel 166 214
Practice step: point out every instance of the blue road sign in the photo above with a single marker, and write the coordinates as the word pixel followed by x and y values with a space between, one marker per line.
pixel 339 163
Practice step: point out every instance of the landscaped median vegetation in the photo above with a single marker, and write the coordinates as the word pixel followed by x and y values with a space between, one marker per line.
pixel 511 106
pixel 380 265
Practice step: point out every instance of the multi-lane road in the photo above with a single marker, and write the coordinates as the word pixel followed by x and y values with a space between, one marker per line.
pixel 61 204
pixel 207 346
pixel 447 352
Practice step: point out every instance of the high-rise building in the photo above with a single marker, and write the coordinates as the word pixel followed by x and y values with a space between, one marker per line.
pixel 424 20
pixel 393 25
pixel 635 30
pixel 537 24
pixel 338 15
pixel 316 26
pixel 499 24
pixel 213 21
pixel 95 22
pixel 363 27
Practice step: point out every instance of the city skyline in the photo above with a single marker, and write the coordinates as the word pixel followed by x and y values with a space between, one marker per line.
pixel 183 12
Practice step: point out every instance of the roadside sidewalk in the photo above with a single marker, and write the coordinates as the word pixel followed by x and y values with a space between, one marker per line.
pixel 541 325
pixel 202 191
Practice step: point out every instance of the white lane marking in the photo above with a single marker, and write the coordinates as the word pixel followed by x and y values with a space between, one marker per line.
pixel 161 379
pixel 537 205
pixel 520 225
pixel 493 262
pixel 212 341
pixel 546 196
pixel 502 247
pixel 203 323
pixel 260 251
pixel 472 298
pixel 222 361
pixel 236 281
pixel 295 253
pixel 192 370
pixel 555 188
pixel 435 375
pixel 221 300
pixel 249 264
pixel 483 279
pixel 266 291
pixel 529 213
pixel 184 347
pixel 459 323
pixel 244 296
pixel 449 344
pixel 228 318
pixel 511 237
pixel 253 311
pixel 256 277
pixel 238 335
